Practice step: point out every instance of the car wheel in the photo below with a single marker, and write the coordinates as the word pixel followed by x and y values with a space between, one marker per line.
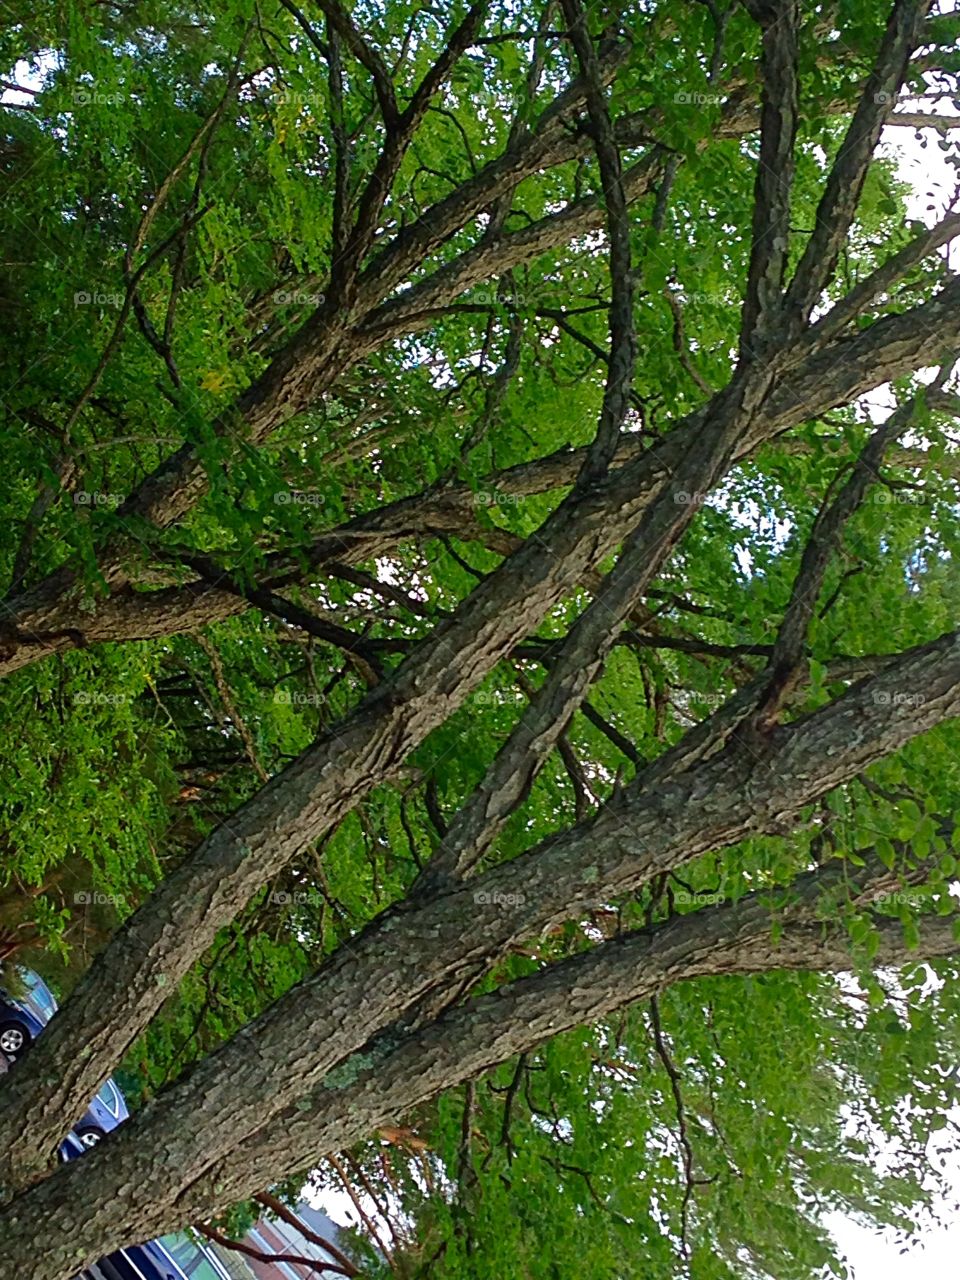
pixel 90 1137
pixel 14 1039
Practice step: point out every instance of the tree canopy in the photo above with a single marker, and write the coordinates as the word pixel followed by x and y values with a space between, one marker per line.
pixel 478 648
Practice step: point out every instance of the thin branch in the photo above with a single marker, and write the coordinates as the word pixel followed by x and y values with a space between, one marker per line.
pixel 341 144
pixel 883 279
pixel 309 30
pixel 774 172
pixel 841 195
pixel 269 602
pixel 341 22
pixel 663 1053
pixel 680 344
pixel 457 44
pixel 272 1259
pixel 622 337
pixel 230 706
pixel 400 131
pixel 361 1212
pixel 611 732
pixel 786 659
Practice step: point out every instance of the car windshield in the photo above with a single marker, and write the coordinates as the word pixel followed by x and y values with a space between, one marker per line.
pixel 108 1096
pixel 39 994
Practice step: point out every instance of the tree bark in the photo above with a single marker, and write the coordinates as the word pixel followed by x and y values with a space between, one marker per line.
pixel 91 1206
pixel 156 946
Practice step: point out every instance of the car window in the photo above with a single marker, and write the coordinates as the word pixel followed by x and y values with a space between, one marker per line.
pixel 108 1096
pixel 39 994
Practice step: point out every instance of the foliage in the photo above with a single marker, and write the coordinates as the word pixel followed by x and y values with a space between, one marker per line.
pixel 121 757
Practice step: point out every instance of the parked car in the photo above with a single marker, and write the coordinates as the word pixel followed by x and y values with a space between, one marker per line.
pixel 22 1018
pixel 142 1262
pixel 107 1109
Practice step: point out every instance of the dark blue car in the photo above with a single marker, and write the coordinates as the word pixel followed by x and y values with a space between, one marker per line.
pixel 22 1018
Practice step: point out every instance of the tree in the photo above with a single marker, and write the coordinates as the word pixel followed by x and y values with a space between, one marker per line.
pixel 450 543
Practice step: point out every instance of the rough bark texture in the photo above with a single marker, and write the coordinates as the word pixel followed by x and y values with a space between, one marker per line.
pixel 156 946
pixel 49 618
pixel 394 1075
pixel 380 1026
pixel 289 1051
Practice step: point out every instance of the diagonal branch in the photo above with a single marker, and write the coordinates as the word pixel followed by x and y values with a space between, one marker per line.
pixel 48 619
pixel 272 1259
pixel 460 40
pixel 673 1075
pixel 473 1037
pixel 341 22
pixel 882 280
pixel 623 345
pixel 398 1071
pixel 281 1211
pixel 400 133
pixel 145 959
pixel 415 949
pixel 774 176
pixel 841 196
pixel 270 603
pixel 785 664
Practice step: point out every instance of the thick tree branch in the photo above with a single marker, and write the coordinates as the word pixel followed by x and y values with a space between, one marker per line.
pixel 397 1073
pixel 655 826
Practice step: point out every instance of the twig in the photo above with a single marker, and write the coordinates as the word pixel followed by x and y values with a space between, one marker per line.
pixel 273 1259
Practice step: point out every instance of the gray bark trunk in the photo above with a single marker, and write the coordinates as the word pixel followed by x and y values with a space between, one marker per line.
pixel 92 1206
